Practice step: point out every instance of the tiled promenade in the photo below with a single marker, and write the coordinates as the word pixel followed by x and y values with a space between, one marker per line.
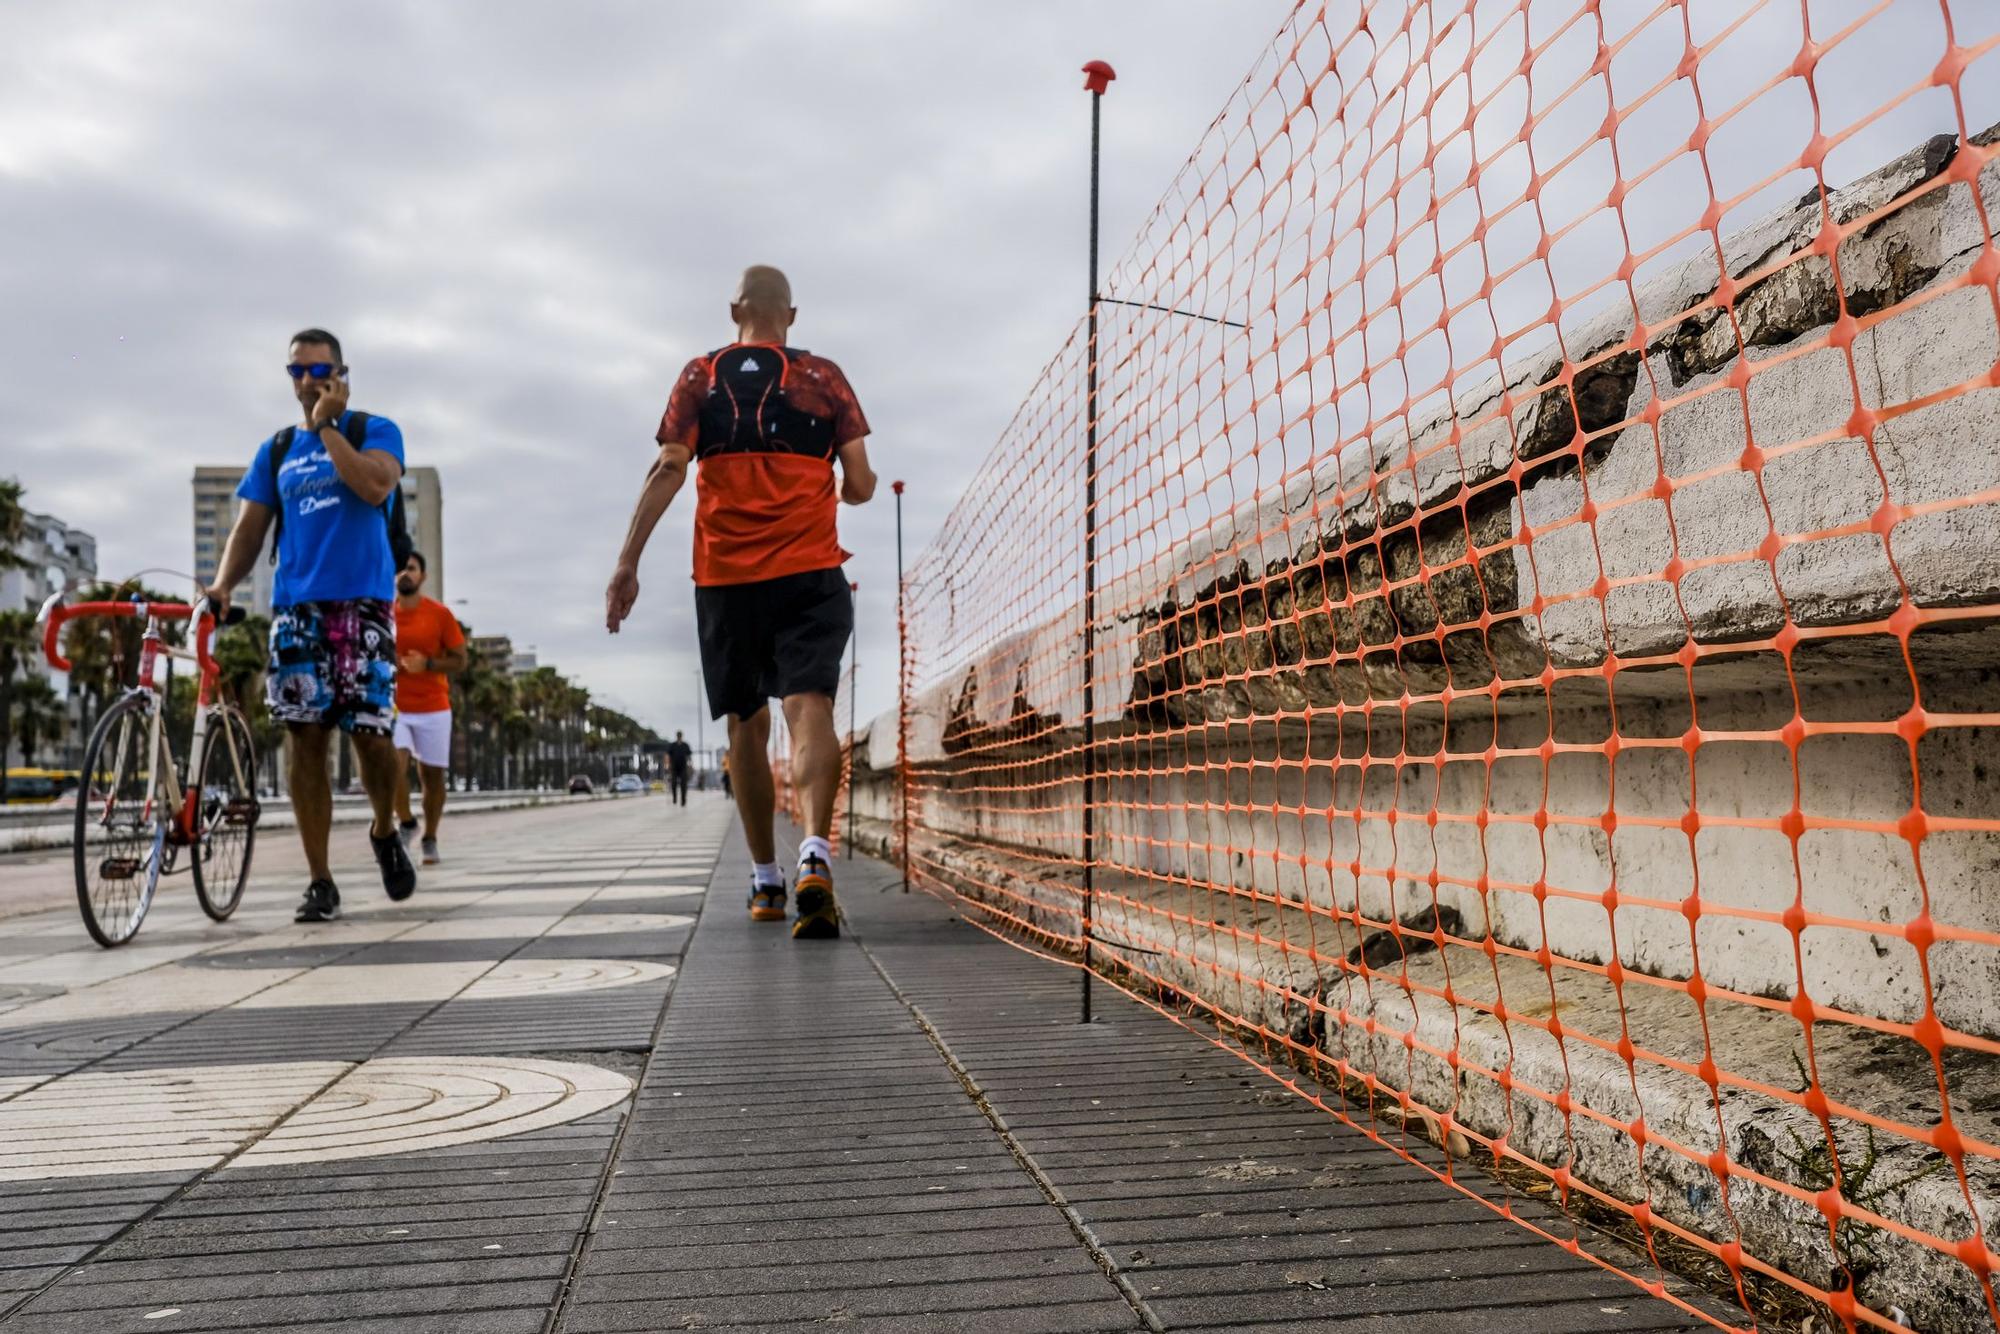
pixel 560 1089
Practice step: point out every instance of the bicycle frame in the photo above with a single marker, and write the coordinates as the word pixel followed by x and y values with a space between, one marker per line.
pixel 169 793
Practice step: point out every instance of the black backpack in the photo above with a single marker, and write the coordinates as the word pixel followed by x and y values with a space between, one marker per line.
pixel 397 522
pixel 748 412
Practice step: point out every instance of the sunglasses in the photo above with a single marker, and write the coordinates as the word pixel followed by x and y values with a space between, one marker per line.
pixel 319 370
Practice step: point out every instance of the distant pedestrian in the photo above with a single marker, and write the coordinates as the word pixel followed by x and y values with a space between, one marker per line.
pixel 332 485
pixel 680 755
pixel 726 789
pixel 430 649
pixel 765 424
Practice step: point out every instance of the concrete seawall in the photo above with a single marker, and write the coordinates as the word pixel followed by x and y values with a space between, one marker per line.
pixel 1455 760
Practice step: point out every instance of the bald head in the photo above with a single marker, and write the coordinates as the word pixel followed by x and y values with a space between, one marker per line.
pixel 763 305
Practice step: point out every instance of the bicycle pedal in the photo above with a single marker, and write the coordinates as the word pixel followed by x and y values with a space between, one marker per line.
pixel 118 868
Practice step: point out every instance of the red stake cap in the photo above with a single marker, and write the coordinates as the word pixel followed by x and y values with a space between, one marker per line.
pixel 1097 76
pixel 897 487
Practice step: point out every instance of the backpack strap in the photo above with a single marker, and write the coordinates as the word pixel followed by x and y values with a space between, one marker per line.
pixel 281 445
pixel 355 431
pixel 785 355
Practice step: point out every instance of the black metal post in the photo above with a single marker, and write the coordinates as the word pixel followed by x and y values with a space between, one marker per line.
pixel 853 689
pixel 902 698
pixel 1098 77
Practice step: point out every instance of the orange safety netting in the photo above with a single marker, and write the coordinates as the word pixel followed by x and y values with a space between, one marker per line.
pixel 1544 663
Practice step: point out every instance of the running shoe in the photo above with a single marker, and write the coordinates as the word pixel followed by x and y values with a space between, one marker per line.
pixel 398 876
pixel 322 903
pixel 408 830
pixel 819 918
pixel 431 857
pixel 767 902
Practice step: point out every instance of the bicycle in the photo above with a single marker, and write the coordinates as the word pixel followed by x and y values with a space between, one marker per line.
pixel 135 808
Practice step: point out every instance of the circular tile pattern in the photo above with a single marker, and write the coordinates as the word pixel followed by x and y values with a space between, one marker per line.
pixel 188 1118
pixel 405 1104
pixel 561 977
pixel 607 923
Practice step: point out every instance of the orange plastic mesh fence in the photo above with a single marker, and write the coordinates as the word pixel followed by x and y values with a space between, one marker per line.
pixel 1547 562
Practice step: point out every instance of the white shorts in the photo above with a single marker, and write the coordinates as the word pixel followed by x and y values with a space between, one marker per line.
pixel 426 736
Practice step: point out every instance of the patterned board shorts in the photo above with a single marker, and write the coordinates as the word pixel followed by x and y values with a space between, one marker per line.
pixel 334 663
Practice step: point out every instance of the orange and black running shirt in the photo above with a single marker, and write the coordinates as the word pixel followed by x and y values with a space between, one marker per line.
pixel 764 424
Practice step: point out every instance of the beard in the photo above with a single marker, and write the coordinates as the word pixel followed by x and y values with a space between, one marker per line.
pixel 406 587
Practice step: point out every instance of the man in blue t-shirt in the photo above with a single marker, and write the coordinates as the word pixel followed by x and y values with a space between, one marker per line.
pixel 333 623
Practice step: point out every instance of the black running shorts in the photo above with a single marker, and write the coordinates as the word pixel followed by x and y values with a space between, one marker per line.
pixel 777 637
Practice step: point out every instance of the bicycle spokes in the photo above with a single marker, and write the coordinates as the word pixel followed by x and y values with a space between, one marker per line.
pixel 226 812
pixel 120 844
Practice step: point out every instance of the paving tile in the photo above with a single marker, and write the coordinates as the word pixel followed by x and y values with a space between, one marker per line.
pixel 473 1236
pixel 796 1149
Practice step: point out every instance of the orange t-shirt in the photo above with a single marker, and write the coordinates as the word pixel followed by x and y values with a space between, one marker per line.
pixel 767 512
pixel 428 628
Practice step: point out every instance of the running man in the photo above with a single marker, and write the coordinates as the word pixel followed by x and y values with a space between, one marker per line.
pixel 430 649
pixel 765 423
pixel 679 755
pixel 328 483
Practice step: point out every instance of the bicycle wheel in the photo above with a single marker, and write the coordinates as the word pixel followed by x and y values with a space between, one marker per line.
pixel 120 830
pixel 226 815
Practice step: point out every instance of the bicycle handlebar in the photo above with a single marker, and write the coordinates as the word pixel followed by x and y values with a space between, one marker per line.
pixel 58 614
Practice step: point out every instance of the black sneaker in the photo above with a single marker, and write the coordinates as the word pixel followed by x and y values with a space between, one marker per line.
pixel 322 903
pixel 819 918
pixel 398 876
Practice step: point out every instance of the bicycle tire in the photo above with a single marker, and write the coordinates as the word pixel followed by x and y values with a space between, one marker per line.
pixel 226 815
pixel 116 878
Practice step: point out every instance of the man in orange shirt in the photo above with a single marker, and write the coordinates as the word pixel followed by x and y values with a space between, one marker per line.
pixel 430 648
pixel 765 424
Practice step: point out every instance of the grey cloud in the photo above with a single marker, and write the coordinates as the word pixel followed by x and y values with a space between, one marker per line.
pixel 523 219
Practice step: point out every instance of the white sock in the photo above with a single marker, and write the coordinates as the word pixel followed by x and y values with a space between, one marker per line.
pixel 812 845
pixel 766 873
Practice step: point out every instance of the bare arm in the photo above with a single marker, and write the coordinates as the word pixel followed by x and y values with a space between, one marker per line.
pixel 369 473
pixel 663 483
pixel 246 539
pixel 448 663
pixel 857 479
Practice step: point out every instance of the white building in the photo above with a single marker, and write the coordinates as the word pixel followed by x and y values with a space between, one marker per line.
pixel 58 556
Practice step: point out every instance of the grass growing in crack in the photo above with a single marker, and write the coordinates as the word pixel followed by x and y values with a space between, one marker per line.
pixel 1822 1165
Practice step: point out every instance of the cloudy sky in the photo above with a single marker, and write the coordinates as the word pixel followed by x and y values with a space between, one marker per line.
pixel 523 218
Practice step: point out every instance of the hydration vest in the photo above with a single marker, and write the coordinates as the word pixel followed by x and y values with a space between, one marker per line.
pixel 747 411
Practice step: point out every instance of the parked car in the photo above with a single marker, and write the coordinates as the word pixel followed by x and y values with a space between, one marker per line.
pixel 579 785
pixel 36 786
pixel 627 783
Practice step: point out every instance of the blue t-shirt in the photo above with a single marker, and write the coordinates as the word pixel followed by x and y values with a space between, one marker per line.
pixel 335 545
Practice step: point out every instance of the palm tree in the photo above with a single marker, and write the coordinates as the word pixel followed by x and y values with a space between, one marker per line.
pixel 40 715
pixel 13 524
pixel 17 645
pixel 540 694
pixel 516 729
pixel 484 694
pixel 17 627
